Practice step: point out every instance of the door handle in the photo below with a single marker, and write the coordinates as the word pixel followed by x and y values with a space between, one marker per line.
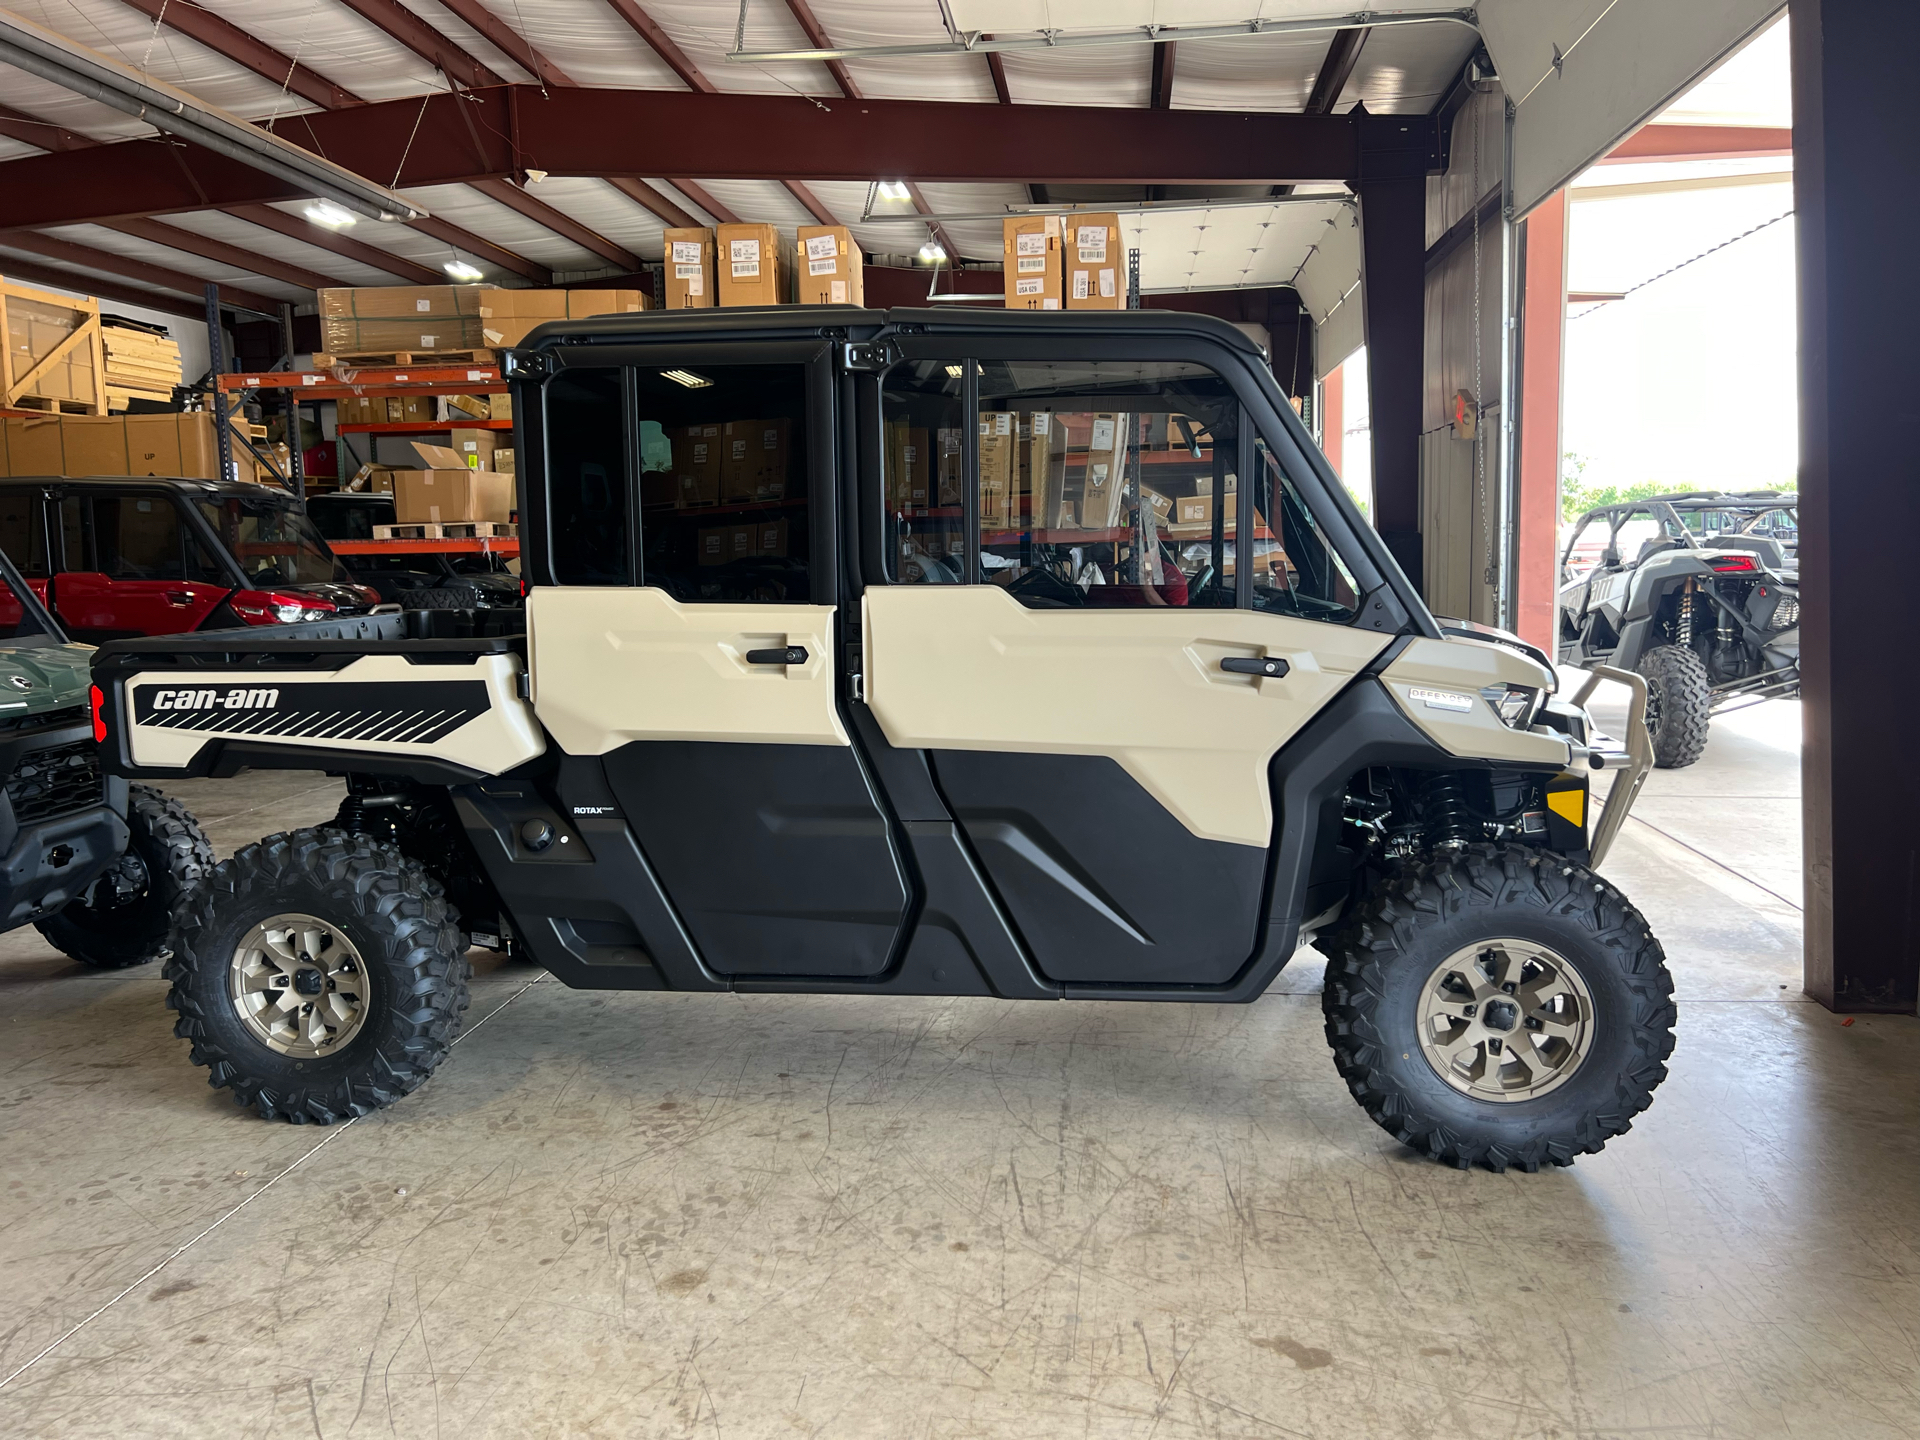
pixel 179 597
pixel 790 655
pixel 1270 667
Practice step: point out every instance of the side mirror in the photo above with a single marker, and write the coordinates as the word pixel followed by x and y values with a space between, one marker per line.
pixel 1610 558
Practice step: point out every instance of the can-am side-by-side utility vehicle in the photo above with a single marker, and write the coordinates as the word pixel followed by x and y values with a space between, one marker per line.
pixel 1030 656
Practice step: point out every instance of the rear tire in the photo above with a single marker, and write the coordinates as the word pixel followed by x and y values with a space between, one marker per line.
pixel 1679 704
pixel 166 857
pixel 319 975
pixel 1406 959
pixel 439 598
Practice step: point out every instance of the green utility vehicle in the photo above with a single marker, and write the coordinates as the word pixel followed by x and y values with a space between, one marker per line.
pixel 1032 656
pixel 94 863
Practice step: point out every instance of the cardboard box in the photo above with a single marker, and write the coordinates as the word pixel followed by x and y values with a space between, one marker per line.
pixel 372 480
pixel 753 266
pixel 441 497
pixel 166 444
pixel 382 319
pixel 503 460
pixel 475 447
pixel 829 266
pixel 950 468
pixel 1043 468
pixel 1193 510
pixel 1032 259
pixel 689 269
pixel 584 304
pixel 1204 483
pixel 1161 505
pixel 501 405
pixel 739 462
pixel 770 537
pixel 1095 265
pixel 1103 476
pixel 713 545
pixel 909 467
pixel 769 443
pixel 474 407
pixel 999 506
pixel 696 464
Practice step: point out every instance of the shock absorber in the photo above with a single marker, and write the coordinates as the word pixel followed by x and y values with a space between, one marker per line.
pixel 1449 823
pixel 1683 621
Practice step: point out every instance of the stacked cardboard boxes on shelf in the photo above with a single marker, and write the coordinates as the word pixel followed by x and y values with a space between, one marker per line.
pixel 1032 262
pixel 721 466
pixel 454 486
pixel 829 266
pixel 164 444
pixel 394 320
pixel 508 316
pixel 752 265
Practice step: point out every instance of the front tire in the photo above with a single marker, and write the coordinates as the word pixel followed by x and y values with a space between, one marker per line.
pixel 319 975
pixel 129 910
pixel 1500 1007
pixel 1679 704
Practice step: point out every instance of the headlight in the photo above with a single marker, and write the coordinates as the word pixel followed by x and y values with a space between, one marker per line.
pixel 1514 704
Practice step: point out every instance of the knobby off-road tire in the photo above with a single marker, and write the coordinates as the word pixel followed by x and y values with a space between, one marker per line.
pixel 1432 918
pixel 1679 704
pixel 391 969
pixel 167 855
pixel 439 598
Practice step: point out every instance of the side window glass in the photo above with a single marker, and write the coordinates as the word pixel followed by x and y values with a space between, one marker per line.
pixel 724 484
pixel 137 537
pixel 589 502
pixel 1295 570
pixel 1107 483
pixel 924 410
pixel 75 551
pixel 21 535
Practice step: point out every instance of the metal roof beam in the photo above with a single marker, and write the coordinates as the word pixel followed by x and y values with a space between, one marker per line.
pixel 651 200
pixel 678 61
pixel 327 238
pixel 221 253
pixel 705 201
pixel 228 39
pixel 482 248
pixel 69 253
pixel 565 226
pixel 603 132
pixel 1160 90
pixel 803 12
pixel 1342 55
pixel 429 44
pixel 504 38
pixel 166 304
pixel 1700 142
pixel 17 125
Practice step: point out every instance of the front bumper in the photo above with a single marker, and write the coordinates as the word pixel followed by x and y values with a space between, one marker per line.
pixel 1634 765
pixel 55 861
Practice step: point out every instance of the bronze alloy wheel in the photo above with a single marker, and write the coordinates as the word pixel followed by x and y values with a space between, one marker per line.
pixel 299 985
pixel 1505 1020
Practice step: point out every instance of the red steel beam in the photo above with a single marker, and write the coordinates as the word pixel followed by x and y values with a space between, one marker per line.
pixel 648 198
pixel 167 304
pixel 222 253
pixel 68 253
pixel 506 40
pixel 16 125
pixel 705 201
pixel 600 132
pixel 1160 91
pixel 997 68
pixel 1343 53
pixel 327 238
pixel 678 61
pixel 1701 142
pixel 817 37
pixel 812 201
pixel 512 196
pixel 228 39
pixel 426 42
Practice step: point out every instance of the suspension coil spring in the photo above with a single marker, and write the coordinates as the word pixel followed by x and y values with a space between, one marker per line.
pixel 1683 622
pixel 1449 823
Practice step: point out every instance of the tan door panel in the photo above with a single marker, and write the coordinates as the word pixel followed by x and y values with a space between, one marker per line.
pixel 970 668
pixel 616 664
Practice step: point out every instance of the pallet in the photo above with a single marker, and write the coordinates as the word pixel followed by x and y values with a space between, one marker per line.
pixel 450 530
pixel 46 406
pixel 388 359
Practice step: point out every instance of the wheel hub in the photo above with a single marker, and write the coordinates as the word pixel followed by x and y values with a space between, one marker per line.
pixel 1505 1020
pixel 299 985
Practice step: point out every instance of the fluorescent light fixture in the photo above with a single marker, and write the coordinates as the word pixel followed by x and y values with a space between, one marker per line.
pixel 933 250
pixel 325 212
pixel 461 270
pixel 53 57
pixel 894 190
pixel 954 372
pixel 686 378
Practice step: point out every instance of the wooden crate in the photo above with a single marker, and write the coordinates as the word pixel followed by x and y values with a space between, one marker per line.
pixel 139 366
pixel 52 359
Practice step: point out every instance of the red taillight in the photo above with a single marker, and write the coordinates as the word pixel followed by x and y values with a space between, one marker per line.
pixel 1732 564
pixel 95 699
pixel 272 607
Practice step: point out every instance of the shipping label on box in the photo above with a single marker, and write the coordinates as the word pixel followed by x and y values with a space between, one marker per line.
pixel 696 464
pixel 711 545
pixel 1193 510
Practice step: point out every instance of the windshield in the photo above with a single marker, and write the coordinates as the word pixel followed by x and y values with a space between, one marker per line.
pixel 273 543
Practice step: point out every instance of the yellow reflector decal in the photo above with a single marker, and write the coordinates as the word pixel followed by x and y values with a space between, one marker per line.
pixel 1569 805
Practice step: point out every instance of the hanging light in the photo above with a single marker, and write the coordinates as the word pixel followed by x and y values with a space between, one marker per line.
pixel 895 190
pixel 462 271
pixel 933 251
pixel 325 212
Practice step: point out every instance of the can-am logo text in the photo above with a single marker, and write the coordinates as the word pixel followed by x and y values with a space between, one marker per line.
pixel 215 699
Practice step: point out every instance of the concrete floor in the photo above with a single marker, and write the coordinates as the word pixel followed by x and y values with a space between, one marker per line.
pixel 657 1215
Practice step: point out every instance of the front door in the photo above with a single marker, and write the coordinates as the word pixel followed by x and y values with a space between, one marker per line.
pixel 1105 607
pixel 681 627
pixel 132 567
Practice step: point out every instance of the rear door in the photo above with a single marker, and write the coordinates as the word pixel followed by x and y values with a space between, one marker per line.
pixel 23 534
pixel 681 627
pixel 133 566
pixel 1102 608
